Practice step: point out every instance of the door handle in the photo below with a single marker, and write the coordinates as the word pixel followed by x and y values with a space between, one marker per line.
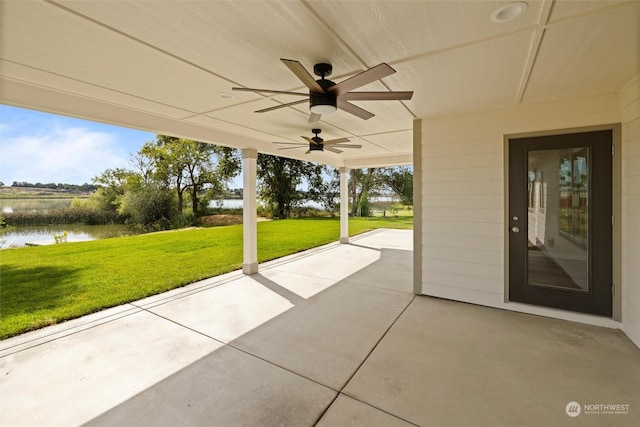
pixel 515 229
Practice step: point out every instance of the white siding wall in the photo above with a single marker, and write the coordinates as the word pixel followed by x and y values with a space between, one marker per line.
pixel 631 210
pixel 463 200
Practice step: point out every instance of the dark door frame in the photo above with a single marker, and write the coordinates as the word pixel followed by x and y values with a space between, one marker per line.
pixel 616 207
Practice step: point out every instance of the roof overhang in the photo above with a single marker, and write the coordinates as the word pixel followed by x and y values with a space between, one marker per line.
pixel 164 67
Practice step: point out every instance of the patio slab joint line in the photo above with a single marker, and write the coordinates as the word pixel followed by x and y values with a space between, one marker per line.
pixel 62 333
pixel 189 289
pixel 360 366
pixel 225 344
pixel 276 262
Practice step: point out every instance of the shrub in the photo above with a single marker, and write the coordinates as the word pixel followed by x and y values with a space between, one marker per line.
pixel 224 211
pixel 4 229
pixel 153 208
pixel 72 215
pixel 79 203
pixel 61 238
pixel 308 212
pixel 365 207
pixel 186 219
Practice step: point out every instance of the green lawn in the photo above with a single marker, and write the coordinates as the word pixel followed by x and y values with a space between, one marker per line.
pixel 44 285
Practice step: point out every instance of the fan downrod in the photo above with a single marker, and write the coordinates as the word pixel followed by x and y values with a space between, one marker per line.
pixel 322 69
pixel 318 146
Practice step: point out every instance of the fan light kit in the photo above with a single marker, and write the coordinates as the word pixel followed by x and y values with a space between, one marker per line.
pixel 323 102
pixel 325 96
pixel 318 144
pixel 323 109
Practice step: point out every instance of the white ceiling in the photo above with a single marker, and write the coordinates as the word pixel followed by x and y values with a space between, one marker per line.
pixel 161 65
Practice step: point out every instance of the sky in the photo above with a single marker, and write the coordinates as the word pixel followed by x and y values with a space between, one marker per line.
pixel 41 147
pixel 47 148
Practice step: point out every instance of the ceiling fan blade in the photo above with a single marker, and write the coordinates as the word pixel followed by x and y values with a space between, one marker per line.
pixel 302 73
pixel 333 150
pixel 314 117
pixel 307 152
pixel 282 92
pixel 349 146
pixel 290 143
pixel 310 140
pixel 368 76
pixel 289 104
pixel 377 96
pixel 336 141
pixel 354 109
pixel 290 148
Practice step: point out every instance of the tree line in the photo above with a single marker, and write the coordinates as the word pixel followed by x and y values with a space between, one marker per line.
pixel 82 188
pixel 170 183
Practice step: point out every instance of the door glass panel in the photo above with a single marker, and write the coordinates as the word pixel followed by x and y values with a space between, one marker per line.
pixel 558 218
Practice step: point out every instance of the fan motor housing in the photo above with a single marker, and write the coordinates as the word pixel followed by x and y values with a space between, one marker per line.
pixel 316 147
pixel 326 98
pixel 322 69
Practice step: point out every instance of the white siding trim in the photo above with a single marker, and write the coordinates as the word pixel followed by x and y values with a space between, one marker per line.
pixel 630 218
pixel 463 196
pixel 417 206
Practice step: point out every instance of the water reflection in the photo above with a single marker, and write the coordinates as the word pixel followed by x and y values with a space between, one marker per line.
pixel 42 235
pixel 9 205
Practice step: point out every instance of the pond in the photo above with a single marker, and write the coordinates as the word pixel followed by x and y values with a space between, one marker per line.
pixel 42 235
pixel 8 205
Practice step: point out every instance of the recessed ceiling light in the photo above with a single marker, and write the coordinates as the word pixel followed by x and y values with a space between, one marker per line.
pixel 509 12
pixel 225 95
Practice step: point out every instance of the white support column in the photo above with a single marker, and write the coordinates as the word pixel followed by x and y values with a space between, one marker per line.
pixel 344 206
pixel 417 207
pixel 249 211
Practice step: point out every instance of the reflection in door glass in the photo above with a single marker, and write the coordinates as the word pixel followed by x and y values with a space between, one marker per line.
pixel 558 219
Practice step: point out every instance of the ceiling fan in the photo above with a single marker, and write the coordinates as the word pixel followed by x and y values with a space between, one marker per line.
pixel 318 144
pixel 325 96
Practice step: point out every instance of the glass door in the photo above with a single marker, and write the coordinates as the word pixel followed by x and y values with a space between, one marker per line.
pixel 560 221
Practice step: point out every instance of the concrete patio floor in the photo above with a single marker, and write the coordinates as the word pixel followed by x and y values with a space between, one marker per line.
pixel 330 337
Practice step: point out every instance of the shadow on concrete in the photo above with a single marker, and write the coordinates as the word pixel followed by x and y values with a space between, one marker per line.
pixel 288 370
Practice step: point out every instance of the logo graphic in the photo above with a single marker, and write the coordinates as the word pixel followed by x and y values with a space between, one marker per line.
pixel 572 409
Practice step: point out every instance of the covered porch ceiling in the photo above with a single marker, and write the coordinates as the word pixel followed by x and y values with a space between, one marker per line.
pixel 166 66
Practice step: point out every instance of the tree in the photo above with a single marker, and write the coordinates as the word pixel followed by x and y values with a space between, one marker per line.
pixel 112 184
pixel 152 192
pixel 327 193
pixel 190 166
pixel 149 205
pixel 143 167
pixel 400 181
pixel 279 180
pixel 361 183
